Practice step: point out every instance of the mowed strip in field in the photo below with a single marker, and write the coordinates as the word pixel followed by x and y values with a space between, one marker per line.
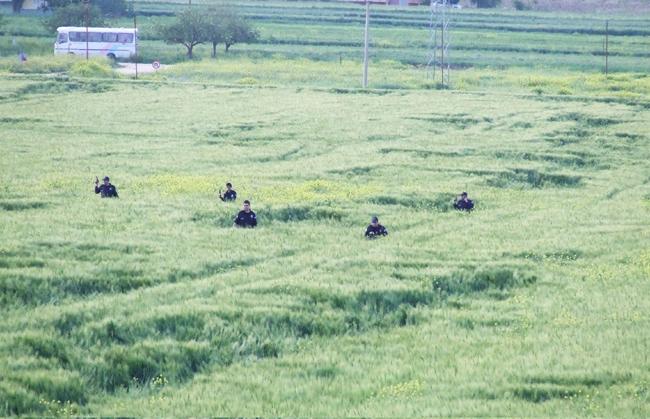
pixel 153 305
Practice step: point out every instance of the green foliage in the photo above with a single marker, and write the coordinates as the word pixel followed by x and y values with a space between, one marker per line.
pixel 92 68
pixel 107 7
pixel 237 30
pixel 188 29
pixel 36 64
pixel 485 4
pixel 218 25
pixel 521 5
pixel 215 28
pixel 17 5
pixel 73 15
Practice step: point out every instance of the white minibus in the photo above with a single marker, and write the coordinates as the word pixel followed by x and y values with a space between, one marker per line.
pixel 106 42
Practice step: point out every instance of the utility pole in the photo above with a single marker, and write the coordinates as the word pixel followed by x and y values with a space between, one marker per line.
pixel 442 55
pixel 365 46
pixel 87 7
pixel 606 47
pixel 135 40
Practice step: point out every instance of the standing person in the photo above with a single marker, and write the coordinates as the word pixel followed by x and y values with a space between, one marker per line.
pixel 375 229
pixel 463 203
pixel 229 195
pixel 22 57
pixel 246 217
pixel 107 190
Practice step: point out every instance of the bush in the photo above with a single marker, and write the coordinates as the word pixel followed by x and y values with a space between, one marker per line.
pixel 107 7
pixel 38 65
pixel 485 4
pixel 73 15
pixel 92 68
pixel 521 5
pixel 16 5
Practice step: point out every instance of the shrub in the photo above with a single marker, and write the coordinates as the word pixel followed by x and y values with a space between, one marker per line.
pixel 16 400
pixel 92 68
pixel 38 65
pixel 107 7
pixel 485 4
pixel 521 5
pixel 73 15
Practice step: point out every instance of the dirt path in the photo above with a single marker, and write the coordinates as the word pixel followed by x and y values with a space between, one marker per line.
pixel 143 68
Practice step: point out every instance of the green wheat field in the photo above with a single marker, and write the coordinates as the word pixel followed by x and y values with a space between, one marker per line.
pixel 534 304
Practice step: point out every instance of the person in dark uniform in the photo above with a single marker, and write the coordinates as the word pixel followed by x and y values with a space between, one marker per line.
pixel 375 229
pixel 229 195
pixel 107 190
pixel 246 217
pixel 463 203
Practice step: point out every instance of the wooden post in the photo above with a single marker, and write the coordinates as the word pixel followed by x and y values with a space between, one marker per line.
pixel 442 53
pixel 606 47
pixel 87 4
pixel 135 40
pixel 365 47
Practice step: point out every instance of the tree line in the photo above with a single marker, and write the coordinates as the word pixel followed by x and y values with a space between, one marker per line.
pixel 214 26
pixel 191 27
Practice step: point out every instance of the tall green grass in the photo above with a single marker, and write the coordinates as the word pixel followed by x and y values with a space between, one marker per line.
pixel 533 304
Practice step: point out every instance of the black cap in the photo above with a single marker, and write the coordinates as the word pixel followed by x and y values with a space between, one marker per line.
pixel 106 178
pixel 374 219
pixel 464 193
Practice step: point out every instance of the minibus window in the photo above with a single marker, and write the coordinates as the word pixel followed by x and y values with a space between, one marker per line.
pixel 125 38
pixel 78 36
pixel 109 37
pixel 94 37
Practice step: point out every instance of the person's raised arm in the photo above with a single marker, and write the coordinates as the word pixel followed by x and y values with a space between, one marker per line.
pixel 97 185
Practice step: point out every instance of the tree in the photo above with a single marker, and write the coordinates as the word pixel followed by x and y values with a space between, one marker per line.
pixel 428 2
pixel 237 30
pixel 225 25
pixel 484 4
pixel 215 28
pixel 189 29
pixel 107 7
pixel 73 15
pixel 17 5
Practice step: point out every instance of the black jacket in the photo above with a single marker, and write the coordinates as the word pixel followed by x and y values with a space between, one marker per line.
pixel 230 195
pixel 246 219
pixel 107 191
pixel 372 231
pixel 462 205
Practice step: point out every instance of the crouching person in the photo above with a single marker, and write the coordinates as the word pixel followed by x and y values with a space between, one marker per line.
pixel 375 229
pixel 463 203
